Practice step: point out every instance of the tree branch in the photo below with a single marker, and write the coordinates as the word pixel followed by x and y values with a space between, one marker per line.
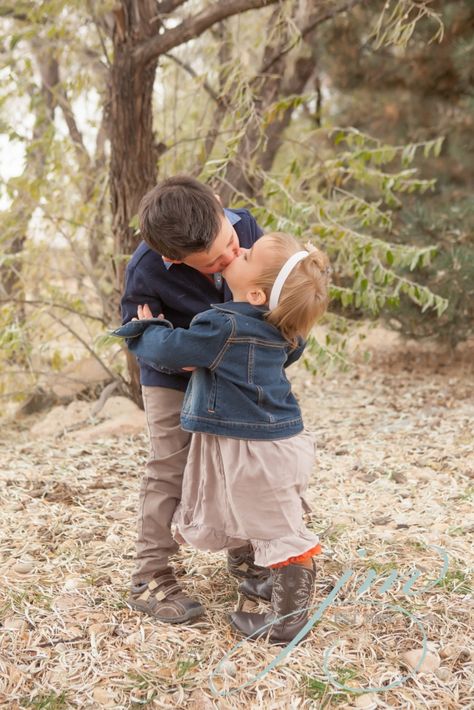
pixel 39 302
pixel 99 32
pixel 165 7
pixel 307 30
pixel 187 68
pixel 84 343
pixel 74 132
pixel 149 50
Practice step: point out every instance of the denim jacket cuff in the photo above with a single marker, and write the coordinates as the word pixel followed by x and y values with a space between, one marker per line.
pixel 135 328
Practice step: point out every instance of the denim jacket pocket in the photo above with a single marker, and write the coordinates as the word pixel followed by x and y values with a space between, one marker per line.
pixel 212 401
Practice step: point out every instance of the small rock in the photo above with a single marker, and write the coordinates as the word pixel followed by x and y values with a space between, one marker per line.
pixel 443 674
pixel 369 477
pixel 449 650
pixel 76 376
pixel 98 628
pixel 74 583
pixel 228 668
pixel 65 602
pixel 118 515
pixel 198 700
pixel 118 407
pixel 367 700
pixel 103 696
pixel 398 477
pixel 23 567
pixel 120 426
pixel 382 520
pixel 60 418
pixel 14 623
pixel 429 661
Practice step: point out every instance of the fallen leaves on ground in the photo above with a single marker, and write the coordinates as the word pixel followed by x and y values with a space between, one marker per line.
pixel 392 485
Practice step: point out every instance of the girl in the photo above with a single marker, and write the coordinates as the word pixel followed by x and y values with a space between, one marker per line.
pixel 250 459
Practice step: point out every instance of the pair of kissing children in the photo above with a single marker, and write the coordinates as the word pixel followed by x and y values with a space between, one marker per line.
pixel 250 459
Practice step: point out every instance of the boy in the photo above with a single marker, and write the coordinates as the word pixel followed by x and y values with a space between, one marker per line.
pixel 188 240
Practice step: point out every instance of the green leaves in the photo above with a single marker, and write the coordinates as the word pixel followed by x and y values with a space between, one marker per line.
pixel 398 20
pixel 345 204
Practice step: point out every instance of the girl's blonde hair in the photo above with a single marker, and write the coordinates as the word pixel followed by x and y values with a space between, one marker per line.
pixel 305 294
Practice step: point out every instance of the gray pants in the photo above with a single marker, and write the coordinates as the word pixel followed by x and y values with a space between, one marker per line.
pixel 160 490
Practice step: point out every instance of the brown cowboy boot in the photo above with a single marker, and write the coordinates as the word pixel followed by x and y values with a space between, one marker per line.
pixel 293 587
pixel 257 588
pixel 241 563
pixel 164 599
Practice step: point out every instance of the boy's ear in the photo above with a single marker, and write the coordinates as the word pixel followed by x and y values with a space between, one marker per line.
pixel 218 198
pixel 256 297
pixel 171 261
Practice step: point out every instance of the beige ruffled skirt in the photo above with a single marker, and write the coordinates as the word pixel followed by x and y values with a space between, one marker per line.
pixel 236 490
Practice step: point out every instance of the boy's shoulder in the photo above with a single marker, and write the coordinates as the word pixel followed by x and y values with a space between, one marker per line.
pixel 145 256
pixel 245 225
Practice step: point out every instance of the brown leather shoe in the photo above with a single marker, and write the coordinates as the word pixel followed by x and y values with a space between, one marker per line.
pixel 292 593
pixel 164 599
pixel 241 563
pixel 257 588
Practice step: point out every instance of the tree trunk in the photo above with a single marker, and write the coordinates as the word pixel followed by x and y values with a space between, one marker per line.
pixel 133 168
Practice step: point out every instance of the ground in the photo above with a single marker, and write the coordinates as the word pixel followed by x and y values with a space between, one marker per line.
pixel 391 491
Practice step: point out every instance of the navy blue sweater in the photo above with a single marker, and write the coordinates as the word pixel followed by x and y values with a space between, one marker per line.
pixel 179 292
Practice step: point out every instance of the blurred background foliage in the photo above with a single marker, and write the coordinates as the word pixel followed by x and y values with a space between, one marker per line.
pixel 349 123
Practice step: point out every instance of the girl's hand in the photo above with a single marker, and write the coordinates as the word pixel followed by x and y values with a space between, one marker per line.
pixel 143 313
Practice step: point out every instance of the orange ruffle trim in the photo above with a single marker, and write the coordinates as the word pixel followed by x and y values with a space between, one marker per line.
pixel 301 558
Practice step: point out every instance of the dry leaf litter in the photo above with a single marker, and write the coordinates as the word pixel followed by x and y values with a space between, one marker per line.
pixel 394 477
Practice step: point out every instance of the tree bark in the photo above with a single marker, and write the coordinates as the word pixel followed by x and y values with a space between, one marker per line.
pixel 133 167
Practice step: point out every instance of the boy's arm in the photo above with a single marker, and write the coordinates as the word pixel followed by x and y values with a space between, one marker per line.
pixel 155 340
pixel 136 292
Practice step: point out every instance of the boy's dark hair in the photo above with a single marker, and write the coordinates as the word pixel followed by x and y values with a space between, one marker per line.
pixel 180 216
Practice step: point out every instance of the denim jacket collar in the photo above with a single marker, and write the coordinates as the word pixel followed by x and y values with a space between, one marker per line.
pixel 242 308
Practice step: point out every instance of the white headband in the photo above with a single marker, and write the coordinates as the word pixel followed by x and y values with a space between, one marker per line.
pixel 283 274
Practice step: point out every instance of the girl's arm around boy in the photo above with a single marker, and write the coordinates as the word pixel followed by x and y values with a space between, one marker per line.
pixel 156 341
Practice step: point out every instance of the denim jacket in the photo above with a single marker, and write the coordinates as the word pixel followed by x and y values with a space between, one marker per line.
pixel 239 388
